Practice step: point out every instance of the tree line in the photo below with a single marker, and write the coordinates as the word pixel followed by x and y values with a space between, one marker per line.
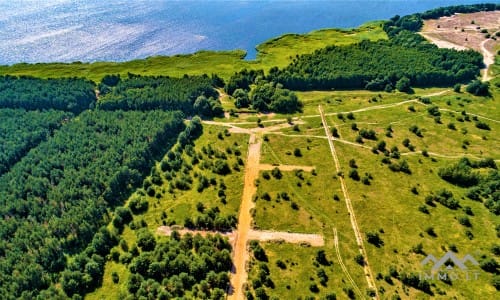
pixel 67 94
pixel 379 65
pixel 193 95
pixel 22 130
pixel 54 200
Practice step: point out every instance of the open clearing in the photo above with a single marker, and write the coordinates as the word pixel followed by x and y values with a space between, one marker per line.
pixel 466 31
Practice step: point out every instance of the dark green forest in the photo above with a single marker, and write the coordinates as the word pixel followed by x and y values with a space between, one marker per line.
pixel 67 94
pixel 379 66
pixel 190 94
pixel 22 130
pixel 55 199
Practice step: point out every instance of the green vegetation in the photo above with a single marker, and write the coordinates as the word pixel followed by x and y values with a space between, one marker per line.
pixel 22 130
pixel 68 94
pixel 57 197
pixel 191 95
pixel 380 65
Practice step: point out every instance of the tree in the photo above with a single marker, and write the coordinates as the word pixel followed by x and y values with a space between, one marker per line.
pixel 321 258
pixel 403 85
pixel 241 99
pixel 221 167
pixel 276 173
pixel 374 238
pixel 478 88
pixel 145 239
pixel 297 152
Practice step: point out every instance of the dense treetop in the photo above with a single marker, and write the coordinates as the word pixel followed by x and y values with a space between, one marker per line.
pixel 67 94
pixel 379 65
pixel 54 200
pixel 189 94
pixel 22 130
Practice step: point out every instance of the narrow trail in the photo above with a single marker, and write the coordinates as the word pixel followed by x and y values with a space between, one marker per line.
pixel 359 239
pixel 241 255
pixel 474 115
pixel 343 266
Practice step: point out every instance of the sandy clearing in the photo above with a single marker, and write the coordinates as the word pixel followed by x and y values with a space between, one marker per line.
pixel 464 31
pixel 269 167
pixel 314 240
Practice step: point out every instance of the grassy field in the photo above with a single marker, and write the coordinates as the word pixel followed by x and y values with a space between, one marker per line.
pixel 276 52
pixel 389 203
pixel 300 272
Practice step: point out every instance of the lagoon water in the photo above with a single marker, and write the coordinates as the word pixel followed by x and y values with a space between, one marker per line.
pixel 117 30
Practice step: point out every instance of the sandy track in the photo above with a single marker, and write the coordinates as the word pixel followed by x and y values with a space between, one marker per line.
pixel 269 167
pixel 314 240
pixel 359 239
pixel 241 255
pixel 343 266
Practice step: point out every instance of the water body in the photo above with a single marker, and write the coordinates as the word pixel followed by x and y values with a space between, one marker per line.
pixel 118 30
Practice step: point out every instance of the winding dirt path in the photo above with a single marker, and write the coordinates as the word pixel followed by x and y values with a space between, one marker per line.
pixel 359 239
pixel 241 255
pixel 489 59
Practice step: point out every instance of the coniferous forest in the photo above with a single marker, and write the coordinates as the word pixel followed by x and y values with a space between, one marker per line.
pixel 379 66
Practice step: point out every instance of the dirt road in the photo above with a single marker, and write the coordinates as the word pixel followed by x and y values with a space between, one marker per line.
pixel 241 255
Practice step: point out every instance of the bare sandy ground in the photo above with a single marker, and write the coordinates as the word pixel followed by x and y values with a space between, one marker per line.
pixel 314 240
pixel 268 167
pixel 464 31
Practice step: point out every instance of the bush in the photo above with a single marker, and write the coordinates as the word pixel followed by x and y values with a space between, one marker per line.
pixel 359 259
pixel 276 173
pixel 368 134
pixel 280 264
pixel 297 152
pixel 478 88
pixel 221 167
pixel 353 174
pixel 374 239
pixel 482 125
pixel 321 258
pixel 115 277
pixel 465 221
pixel 495 281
